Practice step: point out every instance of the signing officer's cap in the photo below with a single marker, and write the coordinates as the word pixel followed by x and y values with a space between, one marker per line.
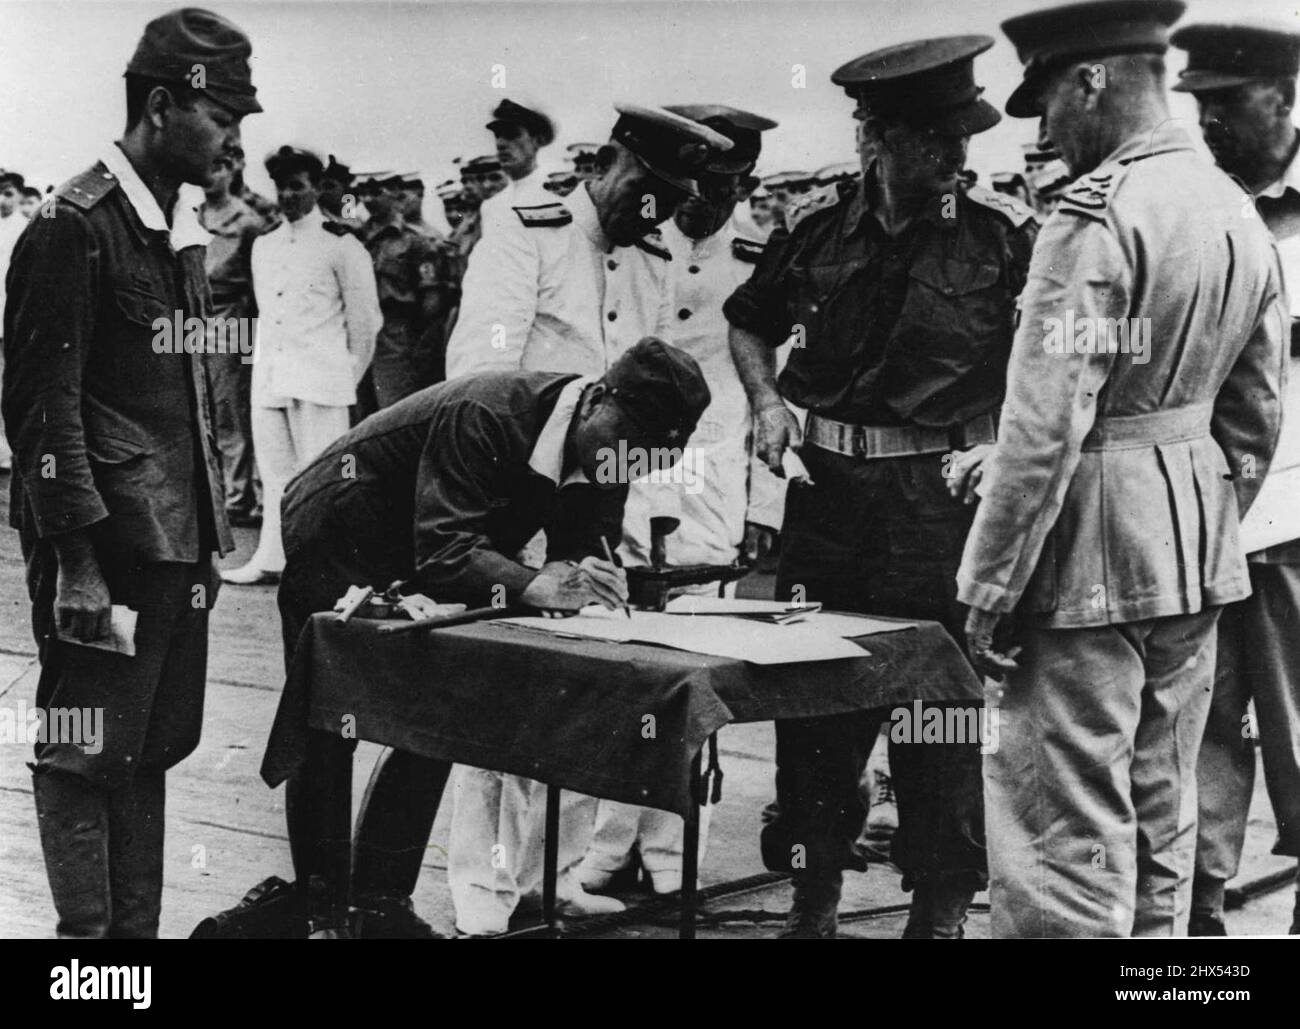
pixel 1220 56
pixel 290 160
pixel 744 129
pixel 928 82
pixel 1047 39
pixel 175 45
pixel 660 388
pixel 528 116
pixel 672 148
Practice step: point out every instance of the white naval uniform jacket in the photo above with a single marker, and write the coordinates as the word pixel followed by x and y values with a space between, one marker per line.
pixel 1114 491
pixel 318 314
pixel 719 485
pixel 546 291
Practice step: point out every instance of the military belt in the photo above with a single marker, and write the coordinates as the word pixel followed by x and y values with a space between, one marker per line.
pixel 876 441
pixel 1131 431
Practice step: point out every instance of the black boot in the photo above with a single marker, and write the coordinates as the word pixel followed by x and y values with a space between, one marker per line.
pixel 74 825
pixel 814 910
pixel 938 909
pixel 1207 907
pixel 135 852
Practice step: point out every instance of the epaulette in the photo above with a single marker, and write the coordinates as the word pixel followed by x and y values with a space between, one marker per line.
pixel 1009 207
pixel 89 188
pixel 1090 195
pixel 544 216
pixel 817 200
pixel 748 250
pixel 653 243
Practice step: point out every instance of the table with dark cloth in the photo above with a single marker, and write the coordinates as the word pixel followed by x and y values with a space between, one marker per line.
pixel 573 712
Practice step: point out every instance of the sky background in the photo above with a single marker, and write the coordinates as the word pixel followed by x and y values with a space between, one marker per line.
pixel 409 85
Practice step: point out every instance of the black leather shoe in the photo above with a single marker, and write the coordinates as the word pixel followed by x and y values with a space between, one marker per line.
pixel 1206 923
pixel 389 918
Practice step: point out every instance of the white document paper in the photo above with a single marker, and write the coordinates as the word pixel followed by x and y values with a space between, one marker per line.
pixel 758 642
pixel 1274 517
pixel 849 626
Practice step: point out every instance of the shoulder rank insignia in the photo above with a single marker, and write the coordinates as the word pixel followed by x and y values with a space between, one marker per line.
pixel 1091 194
pixel 653 243
pixel 1009 207
pixel 88 188
pixel 817 200
pixel 748 250
pixel 544 216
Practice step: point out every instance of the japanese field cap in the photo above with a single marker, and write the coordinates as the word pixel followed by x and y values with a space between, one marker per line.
pixel 195 46
pixel 928 82
pixel 1221 56
pixel 660 388
pixel 672 148
pixel 743 128
pixel 1047 39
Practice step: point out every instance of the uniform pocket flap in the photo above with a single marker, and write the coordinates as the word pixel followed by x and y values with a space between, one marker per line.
pixel 954 277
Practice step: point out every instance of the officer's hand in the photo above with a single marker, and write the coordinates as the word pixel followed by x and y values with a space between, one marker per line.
pixel 966 471
pixel 758 543
pixel 566 586
pixel 775 429
pixel 83 609
pixel 980 626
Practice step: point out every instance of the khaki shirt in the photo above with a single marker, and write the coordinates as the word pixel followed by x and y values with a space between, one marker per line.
pixel 1114 492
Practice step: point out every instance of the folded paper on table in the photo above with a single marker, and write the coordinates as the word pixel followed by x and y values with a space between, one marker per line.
pixel 758 642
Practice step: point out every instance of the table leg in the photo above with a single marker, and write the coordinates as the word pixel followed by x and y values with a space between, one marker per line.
pixel 551 854
pixel 691 855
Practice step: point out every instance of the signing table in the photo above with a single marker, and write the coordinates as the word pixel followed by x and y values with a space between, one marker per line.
pixel 623 721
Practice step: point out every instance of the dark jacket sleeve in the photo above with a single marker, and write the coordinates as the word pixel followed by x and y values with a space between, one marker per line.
pixel 455 495
pixel 49 328
pixel 759 305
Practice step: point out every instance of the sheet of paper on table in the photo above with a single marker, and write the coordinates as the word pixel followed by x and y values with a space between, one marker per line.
pixel 845 625
pixel 745 640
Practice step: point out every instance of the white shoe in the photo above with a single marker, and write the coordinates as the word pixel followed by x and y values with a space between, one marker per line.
pixel 581 904
pixel 249 575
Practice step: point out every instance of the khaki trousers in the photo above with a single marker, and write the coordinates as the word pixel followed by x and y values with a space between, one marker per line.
pixel 1090 798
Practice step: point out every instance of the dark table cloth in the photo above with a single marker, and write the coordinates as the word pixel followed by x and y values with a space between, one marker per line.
pixel 615 720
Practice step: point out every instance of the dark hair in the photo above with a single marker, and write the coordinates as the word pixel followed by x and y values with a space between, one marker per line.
pixel 31 191
pixel 291 168
pixel 1287 88
pixel 138 88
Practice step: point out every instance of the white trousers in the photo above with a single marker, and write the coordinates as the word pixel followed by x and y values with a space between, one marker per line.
pixel 495 855
pixel 285 440
pixel 658 836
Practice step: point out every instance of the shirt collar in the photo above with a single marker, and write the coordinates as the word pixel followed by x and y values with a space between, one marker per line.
pixel 309 222
pixel 547 457
pixel 186 229
pixel 1290 180
pixel 584 216
pixel 1165 137
pixel 860 208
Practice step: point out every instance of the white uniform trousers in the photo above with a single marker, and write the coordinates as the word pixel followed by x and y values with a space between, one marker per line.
pixel 285 440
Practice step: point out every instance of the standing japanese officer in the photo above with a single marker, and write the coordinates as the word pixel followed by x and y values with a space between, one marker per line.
pixel 899 297
pixel 1142 411
pixel 118 492
pixel 1244 80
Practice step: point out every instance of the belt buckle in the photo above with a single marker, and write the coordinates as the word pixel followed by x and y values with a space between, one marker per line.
pixel 859 436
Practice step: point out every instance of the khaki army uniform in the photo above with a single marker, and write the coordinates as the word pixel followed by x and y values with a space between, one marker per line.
pixel 1109 523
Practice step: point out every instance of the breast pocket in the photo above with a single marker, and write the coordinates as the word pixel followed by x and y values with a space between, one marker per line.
pixel 957 302
pixel 825 310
